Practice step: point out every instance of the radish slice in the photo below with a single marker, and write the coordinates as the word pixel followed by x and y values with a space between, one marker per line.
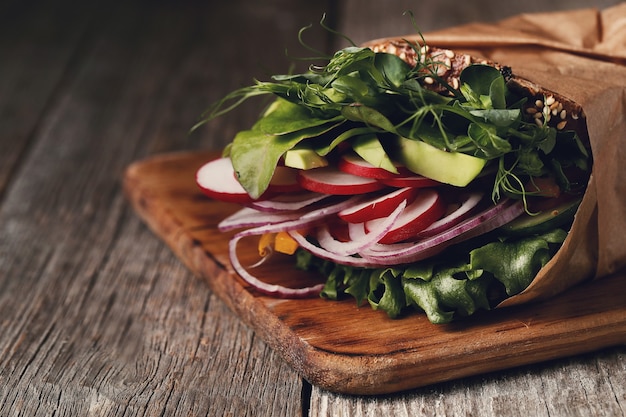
pixel 217 180
pixel 326 240
pixel 378 207
pixel 412 180
pixel 427 207
pixel 329 180
pixel 355 165
pixel 482 222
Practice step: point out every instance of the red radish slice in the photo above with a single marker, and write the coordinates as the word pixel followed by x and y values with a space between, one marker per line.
pixel 284 180
pixel 217 180
pixel 411 180
pixel 355 165
pixel 427 208
pixel 378 207
pixel 329 180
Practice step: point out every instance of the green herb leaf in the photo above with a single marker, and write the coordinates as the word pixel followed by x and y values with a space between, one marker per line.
pixel 285 117
pixel 255 154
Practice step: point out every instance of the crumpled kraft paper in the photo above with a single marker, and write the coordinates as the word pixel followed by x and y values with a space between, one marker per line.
pixel 580 54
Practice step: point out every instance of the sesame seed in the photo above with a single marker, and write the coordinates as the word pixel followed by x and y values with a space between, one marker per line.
pixel 539 104
pixel 429 80
pixel 538 115
pixel 538 122
pixel 550 100
pixel 563 114
pixel 575 116
pixel 531 110
pixel 449 53
pixel 561 125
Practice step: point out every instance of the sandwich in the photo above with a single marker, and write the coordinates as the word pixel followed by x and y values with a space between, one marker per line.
pixel 409 177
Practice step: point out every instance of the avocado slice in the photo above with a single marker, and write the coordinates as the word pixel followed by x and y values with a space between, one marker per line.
pixel 304 159
pixel 452 168
pixel 559 216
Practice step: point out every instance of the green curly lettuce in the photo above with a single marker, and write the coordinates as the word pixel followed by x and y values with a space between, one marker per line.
pixel 474 276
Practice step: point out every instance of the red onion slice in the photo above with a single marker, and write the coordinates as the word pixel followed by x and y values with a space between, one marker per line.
pixel 327 242
pixel 263 287
pixel 302 221
pixel 468 204
pixel 330 256
pixel 249 217
pixel 476 225
pixel 288 202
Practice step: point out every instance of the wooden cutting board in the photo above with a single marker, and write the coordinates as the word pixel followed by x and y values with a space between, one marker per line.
pixel 343 348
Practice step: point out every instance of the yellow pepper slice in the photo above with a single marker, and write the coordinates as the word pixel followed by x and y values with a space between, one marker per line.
pixel 280 242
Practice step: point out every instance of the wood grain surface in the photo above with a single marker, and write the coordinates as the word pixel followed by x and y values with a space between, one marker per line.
pixel 352 350
pixel 98 317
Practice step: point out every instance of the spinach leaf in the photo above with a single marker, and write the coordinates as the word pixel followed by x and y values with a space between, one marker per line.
pixel 255 154
pixel 484 87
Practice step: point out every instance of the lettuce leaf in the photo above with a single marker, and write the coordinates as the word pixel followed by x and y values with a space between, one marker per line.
pixel 455 284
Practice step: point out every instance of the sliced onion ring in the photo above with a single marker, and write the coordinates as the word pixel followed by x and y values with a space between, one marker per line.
pixel 288 202
pixel 482 222
pixel 305 220
pixel 365 240
pixel 263 287
pixel 468 204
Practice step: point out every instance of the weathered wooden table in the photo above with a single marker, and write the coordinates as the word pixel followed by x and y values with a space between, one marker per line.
pixel 97 316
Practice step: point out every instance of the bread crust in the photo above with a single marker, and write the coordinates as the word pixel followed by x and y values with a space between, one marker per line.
pixel 445 67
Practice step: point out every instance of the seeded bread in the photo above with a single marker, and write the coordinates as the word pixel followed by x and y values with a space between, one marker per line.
pixel 542 105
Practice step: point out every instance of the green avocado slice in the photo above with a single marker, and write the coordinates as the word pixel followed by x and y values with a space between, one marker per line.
pixel 452 168
pixel 544 221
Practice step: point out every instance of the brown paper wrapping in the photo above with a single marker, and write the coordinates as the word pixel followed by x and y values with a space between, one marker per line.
pixel 580 54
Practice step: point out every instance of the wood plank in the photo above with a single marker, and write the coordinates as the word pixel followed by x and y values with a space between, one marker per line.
pixel 98 317
pixel 585 385
pixel 36 53
pixel 326 342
